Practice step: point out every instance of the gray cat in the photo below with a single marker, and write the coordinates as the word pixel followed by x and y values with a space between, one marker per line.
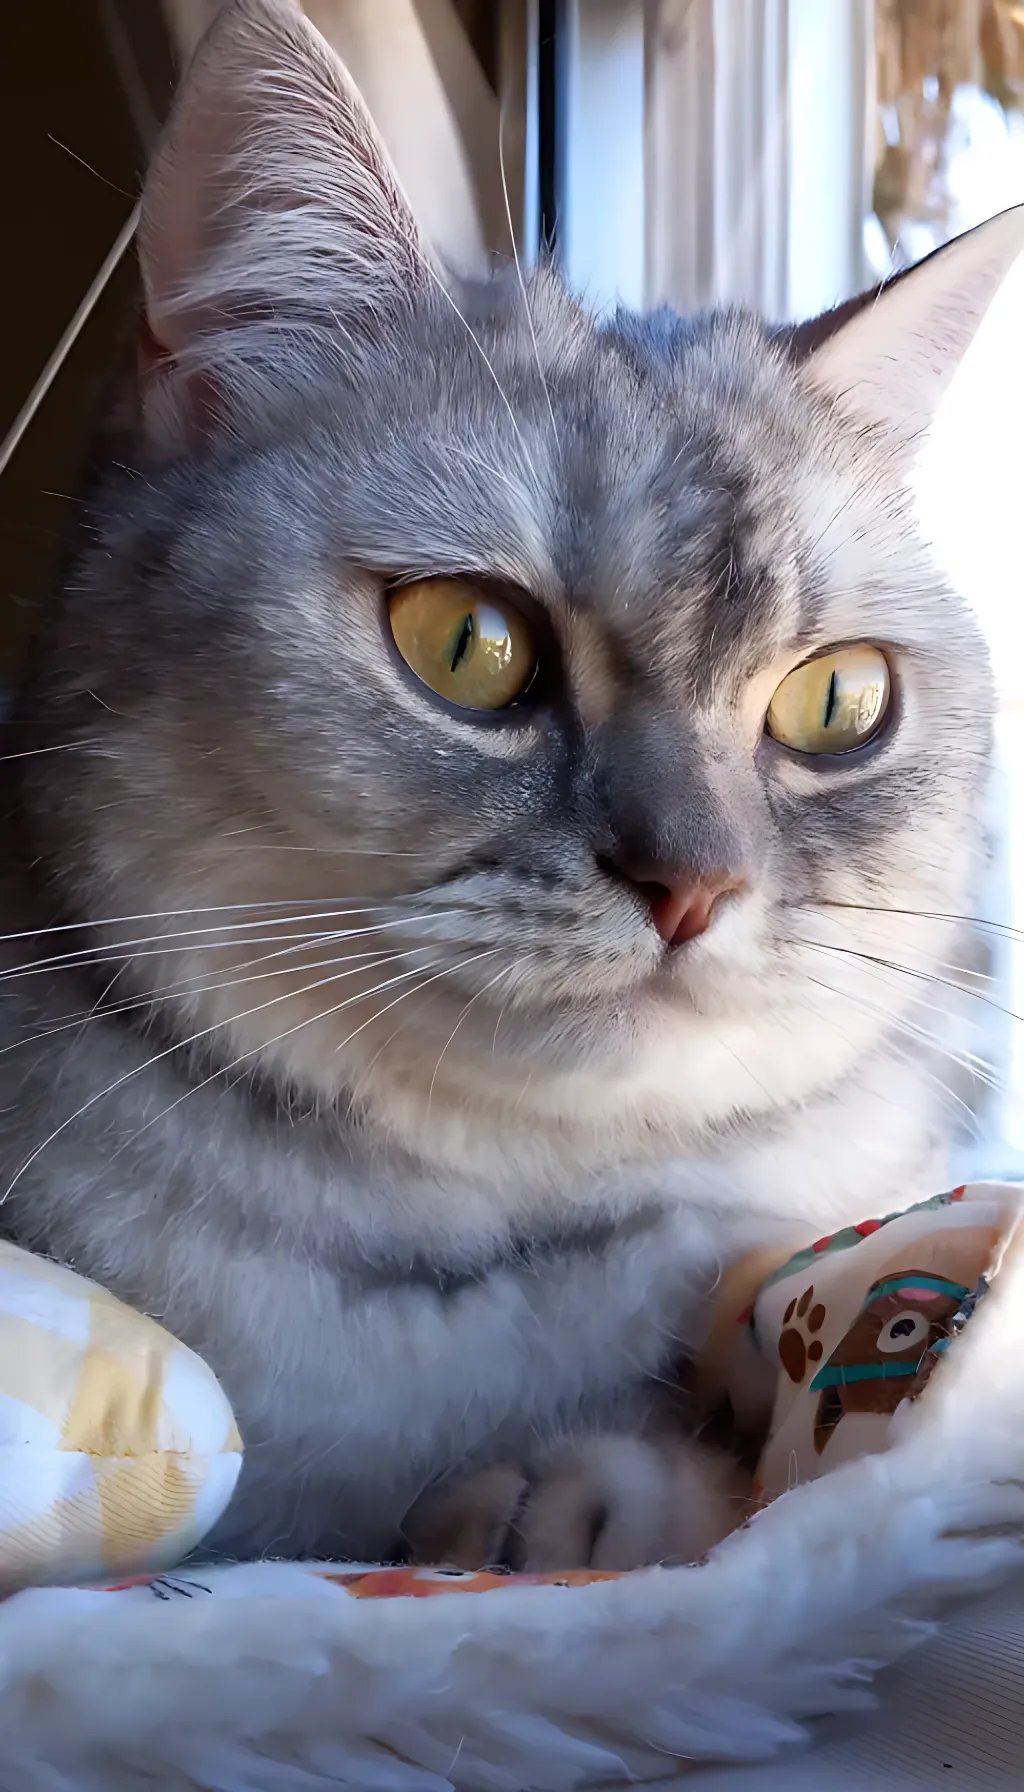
pixel 491 762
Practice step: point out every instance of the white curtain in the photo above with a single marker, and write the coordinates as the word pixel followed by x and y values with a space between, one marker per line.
pixel 717 150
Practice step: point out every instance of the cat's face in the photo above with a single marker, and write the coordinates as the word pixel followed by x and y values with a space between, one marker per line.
pixel 442 644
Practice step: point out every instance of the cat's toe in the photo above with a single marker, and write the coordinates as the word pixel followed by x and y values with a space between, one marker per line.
pixel 467 1523
pixel 607 1502
pixel 617 1502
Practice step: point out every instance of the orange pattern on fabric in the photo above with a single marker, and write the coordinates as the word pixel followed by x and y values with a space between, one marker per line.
pixel 419 1583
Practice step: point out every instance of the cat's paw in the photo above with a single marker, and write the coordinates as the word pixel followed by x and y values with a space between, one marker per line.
pixel 606 1502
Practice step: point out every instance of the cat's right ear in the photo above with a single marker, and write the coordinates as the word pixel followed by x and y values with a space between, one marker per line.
pixel 270 205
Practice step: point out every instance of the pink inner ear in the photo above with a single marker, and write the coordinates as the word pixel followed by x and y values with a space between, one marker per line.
pixel 912 1293
pixel 151 352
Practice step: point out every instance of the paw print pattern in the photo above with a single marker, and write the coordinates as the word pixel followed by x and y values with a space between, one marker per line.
pixel 798 1347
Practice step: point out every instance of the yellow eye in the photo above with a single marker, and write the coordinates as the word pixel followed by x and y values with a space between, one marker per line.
pixel 832 704
pixel 466 645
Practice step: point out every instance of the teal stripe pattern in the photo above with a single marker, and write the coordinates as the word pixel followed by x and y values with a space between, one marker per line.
pixel 912 1280
pixel 840 1375
pixel 837 1375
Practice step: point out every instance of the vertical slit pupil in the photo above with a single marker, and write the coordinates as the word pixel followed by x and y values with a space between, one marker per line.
pixel 464 642
pixel 830 701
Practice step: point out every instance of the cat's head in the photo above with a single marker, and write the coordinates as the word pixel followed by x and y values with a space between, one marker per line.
pixel 488 706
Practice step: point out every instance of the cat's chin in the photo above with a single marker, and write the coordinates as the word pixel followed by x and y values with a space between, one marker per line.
pixel 662 1027
pixel 643 1077
pixel 691 1042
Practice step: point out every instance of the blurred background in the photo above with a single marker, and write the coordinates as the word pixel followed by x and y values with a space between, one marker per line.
pixel 778 153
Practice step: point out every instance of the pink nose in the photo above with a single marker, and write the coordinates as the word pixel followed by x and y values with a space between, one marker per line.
pixel 684 913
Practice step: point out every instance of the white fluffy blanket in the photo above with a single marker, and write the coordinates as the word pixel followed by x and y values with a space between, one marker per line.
pixel 275 1679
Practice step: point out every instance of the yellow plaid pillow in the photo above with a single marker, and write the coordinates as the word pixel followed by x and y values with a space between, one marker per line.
pixel 118 1449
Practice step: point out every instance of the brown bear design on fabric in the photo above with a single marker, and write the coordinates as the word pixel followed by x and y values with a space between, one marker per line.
pixel 906 1319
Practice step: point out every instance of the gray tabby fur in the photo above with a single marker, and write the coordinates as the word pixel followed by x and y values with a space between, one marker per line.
pixel 463 1202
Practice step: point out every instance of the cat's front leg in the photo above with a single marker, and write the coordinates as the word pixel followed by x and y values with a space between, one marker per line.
pixel 606 1501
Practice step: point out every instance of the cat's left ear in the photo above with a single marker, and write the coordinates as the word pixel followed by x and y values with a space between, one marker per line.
pixel 933 365
pixel 943 337
pixel 271 201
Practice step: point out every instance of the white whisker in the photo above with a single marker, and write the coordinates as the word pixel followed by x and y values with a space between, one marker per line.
pixel 101 1010
pixel 488 363
pixel 473 999
pixel 342 852
pixel 448 970
pixel 64 746
pixel 1001 928
pixel 200 941
pixel 309 1020
pixel 891 964
pixel 519 277
pixel 918 1034
pixel 916 1037
pixel 158 1057
pixel 354 904
pixel 23 421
